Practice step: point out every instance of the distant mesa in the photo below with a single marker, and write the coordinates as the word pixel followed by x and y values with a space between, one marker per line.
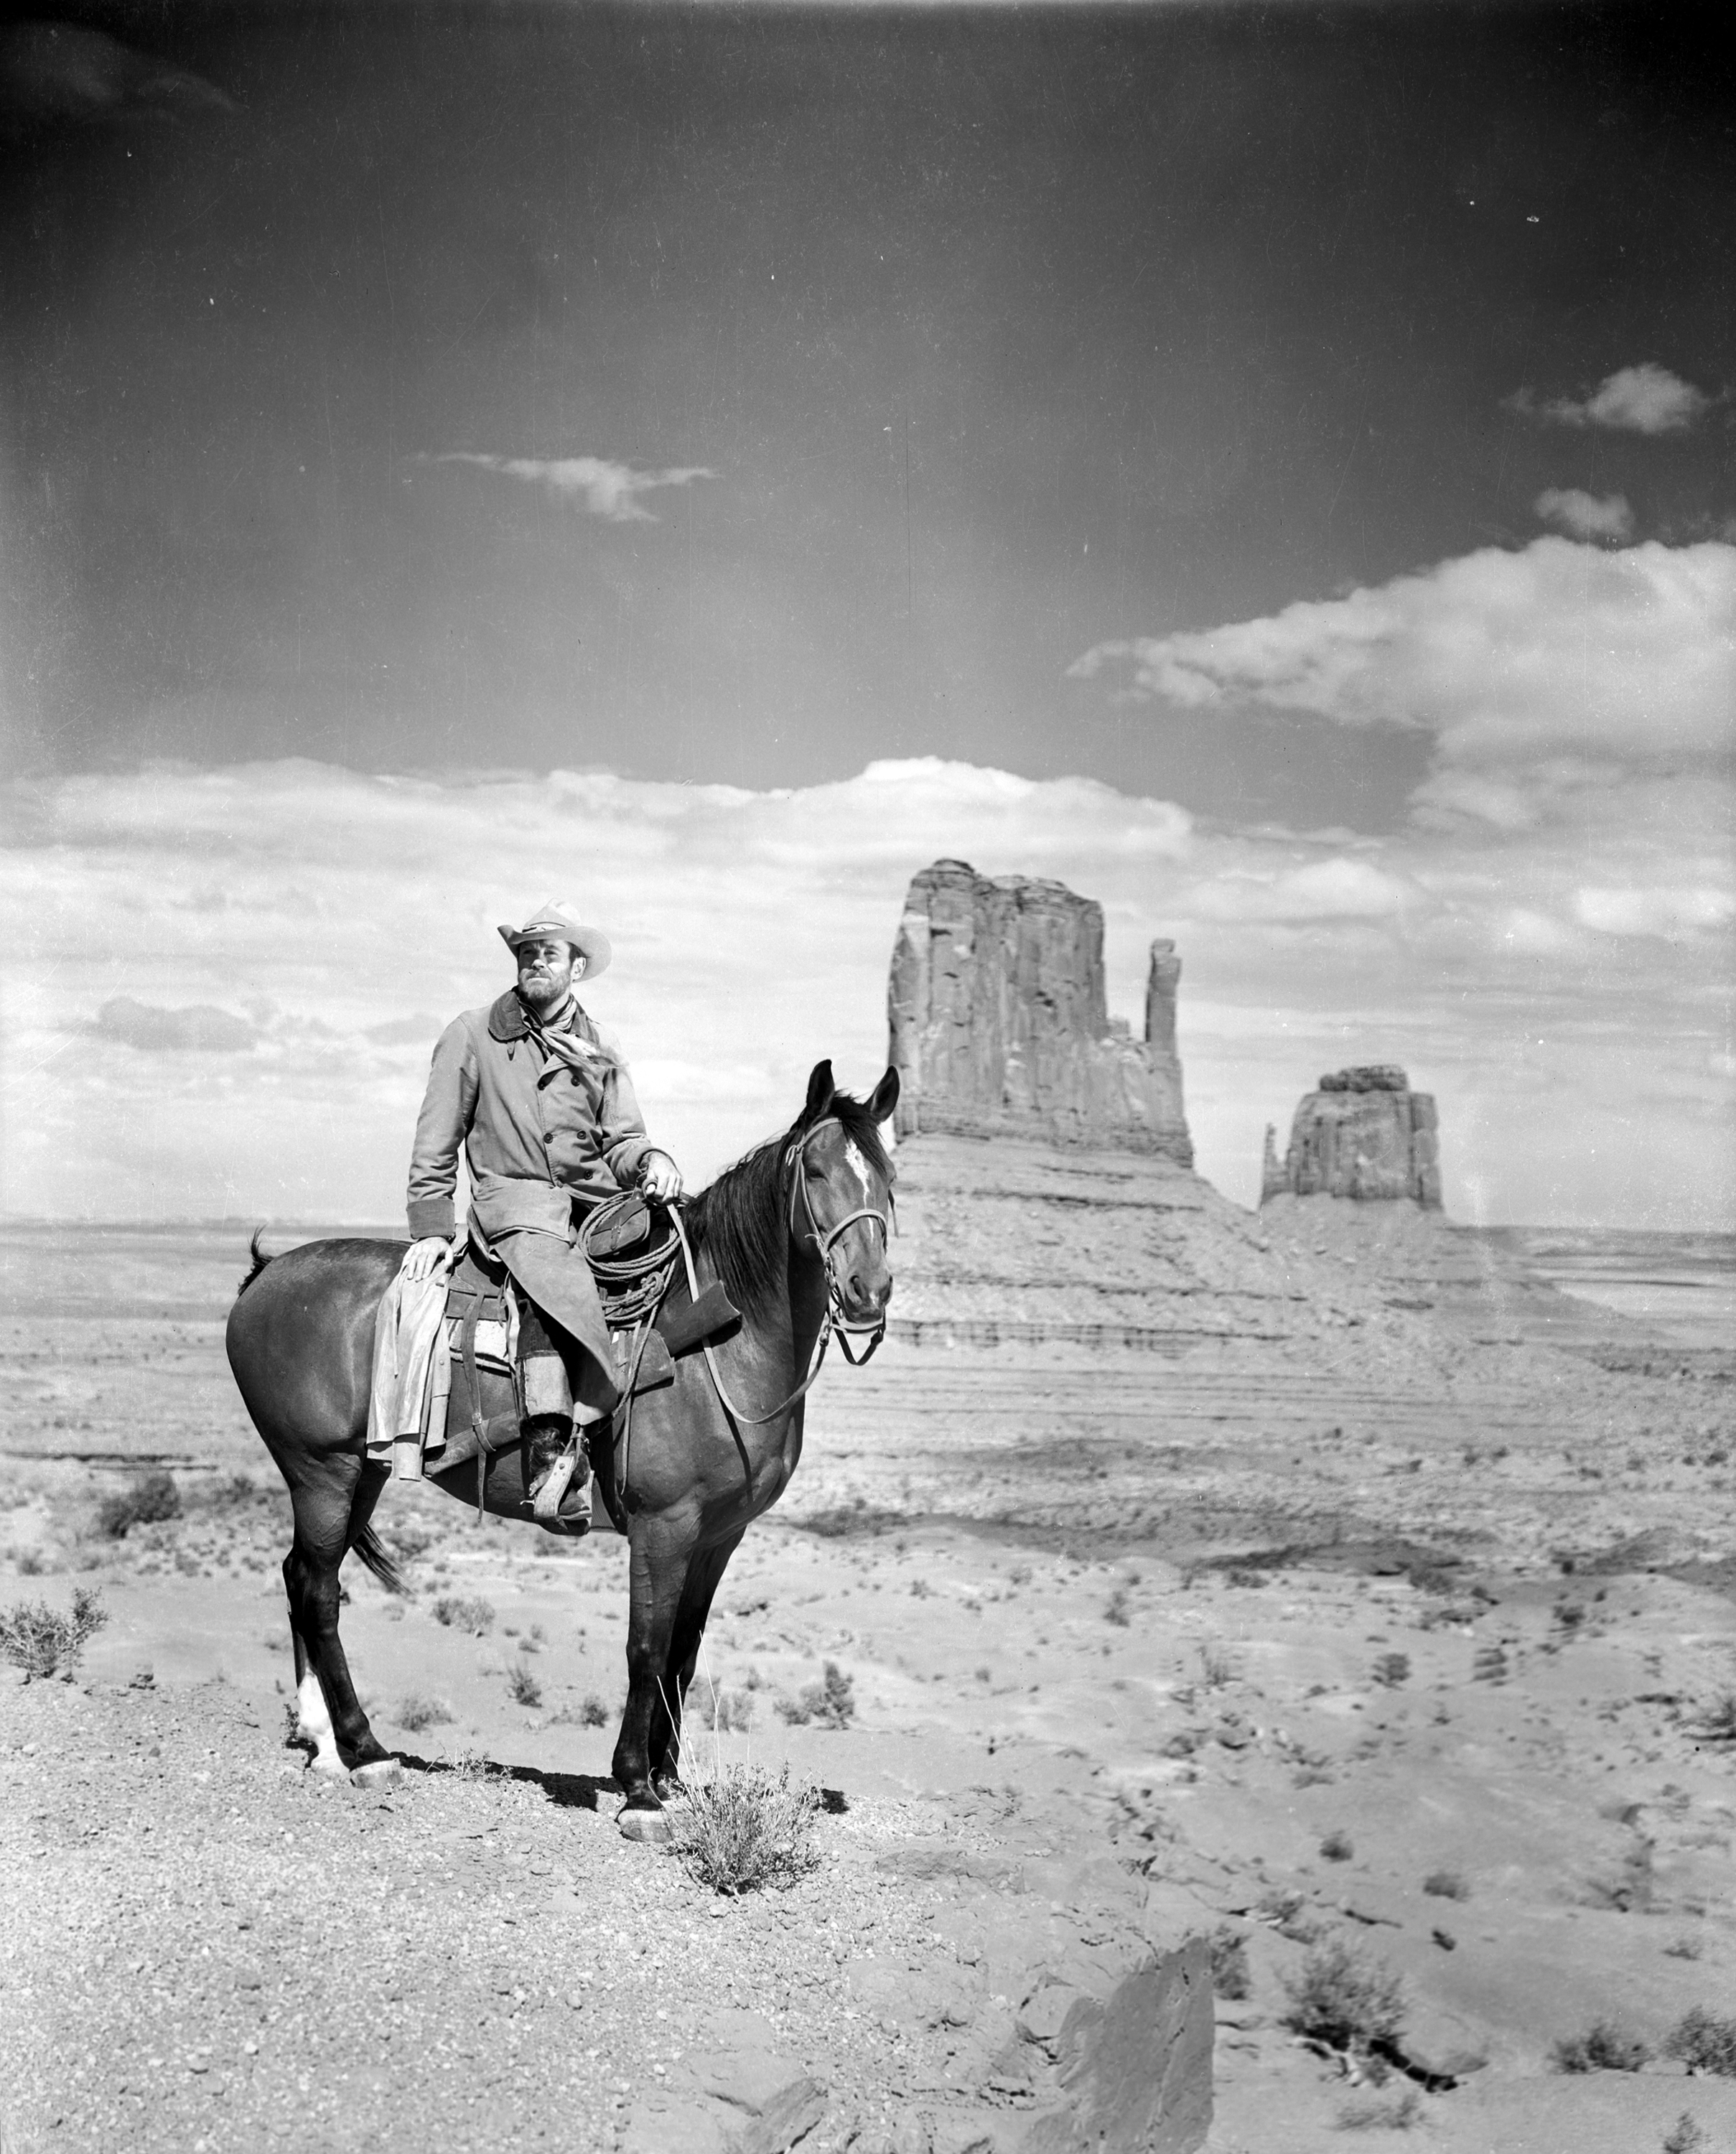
pixel 1363 1135
pixel 1000 1026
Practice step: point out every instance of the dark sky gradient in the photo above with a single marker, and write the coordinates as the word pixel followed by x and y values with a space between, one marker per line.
pixel 1004 334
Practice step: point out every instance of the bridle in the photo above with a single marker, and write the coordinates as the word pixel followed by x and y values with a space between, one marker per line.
pixel 825 1239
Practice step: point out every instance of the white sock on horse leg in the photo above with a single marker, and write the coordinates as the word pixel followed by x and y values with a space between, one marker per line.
pixel 313 1722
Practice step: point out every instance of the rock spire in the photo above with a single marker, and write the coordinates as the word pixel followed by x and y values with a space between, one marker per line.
pixel 1000 1026
pixel 1364 1134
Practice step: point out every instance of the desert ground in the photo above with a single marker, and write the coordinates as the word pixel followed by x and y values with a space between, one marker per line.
pixel 1426 1646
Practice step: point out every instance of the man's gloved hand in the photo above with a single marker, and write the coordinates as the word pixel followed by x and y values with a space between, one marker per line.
pixel 425 1258
pixel 660 1177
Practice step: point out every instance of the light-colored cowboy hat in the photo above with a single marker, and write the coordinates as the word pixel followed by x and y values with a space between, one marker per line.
pixel 557 921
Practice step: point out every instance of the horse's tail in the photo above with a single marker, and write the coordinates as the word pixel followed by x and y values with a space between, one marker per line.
pixel 369 1546
pixel 260 1261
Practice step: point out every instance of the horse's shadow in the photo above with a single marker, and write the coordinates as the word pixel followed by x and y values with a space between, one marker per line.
pixel 566 1791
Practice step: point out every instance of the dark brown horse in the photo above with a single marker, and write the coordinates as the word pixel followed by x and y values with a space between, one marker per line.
pixel 802 1217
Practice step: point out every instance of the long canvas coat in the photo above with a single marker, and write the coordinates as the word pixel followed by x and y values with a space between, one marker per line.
pixel 540 1141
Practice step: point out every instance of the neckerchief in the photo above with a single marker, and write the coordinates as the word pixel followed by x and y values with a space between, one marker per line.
pixel 564 1049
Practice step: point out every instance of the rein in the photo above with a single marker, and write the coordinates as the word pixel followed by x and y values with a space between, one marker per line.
pixel 825 1239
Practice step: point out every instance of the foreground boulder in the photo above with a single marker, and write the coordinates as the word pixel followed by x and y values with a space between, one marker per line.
pixel 1000 1026
pixel 1363 1134
pixel 1135 2068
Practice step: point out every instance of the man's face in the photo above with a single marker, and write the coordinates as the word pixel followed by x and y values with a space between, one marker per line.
pixel 546 971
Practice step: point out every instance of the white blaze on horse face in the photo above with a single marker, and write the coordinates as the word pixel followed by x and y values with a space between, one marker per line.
pixel 856 1160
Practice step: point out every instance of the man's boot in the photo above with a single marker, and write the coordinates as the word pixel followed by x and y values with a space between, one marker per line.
pixel 557 1473
pixel 560 1493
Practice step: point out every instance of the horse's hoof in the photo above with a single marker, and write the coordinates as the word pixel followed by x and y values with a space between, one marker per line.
pixel 377 1773
pixel 649 1826
pixel 328 1765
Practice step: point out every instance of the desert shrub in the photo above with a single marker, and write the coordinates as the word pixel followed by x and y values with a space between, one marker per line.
pixel 473 1765
pixel 1685 2137
pixel 419 1711
pixel 151 1497
pixel 458 1613
pixel 1398 2114
pixel 1215 1668
pixel 1446 1885
pixel 1392 1669
pixel 1604 2047
pixel 522 1686
pixel 1344 1998
pixel 1717 1721
pixel 1020 1574
pixel 1570 1613
pixel 1287 1913
pixel 1336 1847
pixel 42 1641
pixel 920 1588
pixel 1228 1948
pixel 742 1829
pixel 592 1714
pixel 1117 1610
pixel 829 1703
pixel 1704 2042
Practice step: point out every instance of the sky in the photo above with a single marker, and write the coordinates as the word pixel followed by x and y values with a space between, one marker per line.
pixel 1270 467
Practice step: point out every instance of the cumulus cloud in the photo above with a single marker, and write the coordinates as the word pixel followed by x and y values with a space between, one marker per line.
pixel 604 487
pixel 1584 515
pixel 1533 973
pixel 1558 650
pixel 1647 399
pixel 197 1029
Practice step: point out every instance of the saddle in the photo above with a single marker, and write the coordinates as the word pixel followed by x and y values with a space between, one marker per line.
pixel 633 1253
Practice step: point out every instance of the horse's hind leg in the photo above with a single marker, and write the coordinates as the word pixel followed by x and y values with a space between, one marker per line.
pixel 332 1499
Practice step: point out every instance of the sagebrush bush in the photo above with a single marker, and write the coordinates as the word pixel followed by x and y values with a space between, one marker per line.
pixel 831 1702
pixel 459 1613
pixel 153 1497
pixel 419 1711
pixel 592 1714
pixel 1446 1885
pixel 1230 1977
pixel 1704 2042
pixel 1344 1997
pixel 521 1685
pixel 1604 2047
pixel 1337 1847
pixel 42 1641
pixel 741 1830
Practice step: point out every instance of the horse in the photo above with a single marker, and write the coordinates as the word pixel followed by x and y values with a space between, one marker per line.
pixel 796 1231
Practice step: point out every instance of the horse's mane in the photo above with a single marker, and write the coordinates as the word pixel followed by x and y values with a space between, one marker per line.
pixel 740 1219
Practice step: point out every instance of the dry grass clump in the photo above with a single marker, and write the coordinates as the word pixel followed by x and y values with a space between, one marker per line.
pixel 1604 2047
pixel 830 1703
pixel 1446 1885
pixel 152 1497
pixel 522 1686
pixel 1398 2114
pixel 43 1642
pixel 742 1829
pixel 1704 2042
pixel 1345 1998
pixel 1117 1610
pixel 1337 1847
pixel 1392 1669
pixel 1230 1975
pixel 1686 2136
pixel 459 1613
pixel 419 1711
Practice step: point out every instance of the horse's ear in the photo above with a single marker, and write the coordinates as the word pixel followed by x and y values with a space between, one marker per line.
pixel 884 1097
pixel 820 1088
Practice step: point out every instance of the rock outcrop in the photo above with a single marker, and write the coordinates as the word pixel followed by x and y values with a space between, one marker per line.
pixel 1365 1135
pixel 1000 1026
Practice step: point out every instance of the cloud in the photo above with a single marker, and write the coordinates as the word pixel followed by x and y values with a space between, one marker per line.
pixel 1647 399
pixel 1557 651
pixel 197 1029
pixel 606 489
pixel 1539 972
pixel 1585 515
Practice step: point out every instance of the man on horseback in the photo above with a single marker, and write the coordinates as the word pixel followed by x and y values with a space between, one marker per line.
pixel 539 1096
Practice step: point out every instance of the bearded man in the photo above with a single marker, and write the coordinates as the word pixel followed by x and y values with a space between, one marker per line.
pixel 536 1092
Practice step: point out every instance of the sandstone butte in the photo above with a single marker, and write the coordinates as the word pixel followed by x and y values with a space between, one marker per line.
pixel 1364 1134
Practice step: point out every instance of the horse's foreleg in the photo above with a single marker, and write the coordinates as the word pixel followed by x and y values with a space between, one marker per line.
pixel 661 1550
pixel 329 1509
pixel 694 1609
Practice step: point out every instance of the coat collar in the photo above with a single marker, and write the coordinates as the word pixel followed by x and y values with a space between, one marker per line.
pixel 507 1020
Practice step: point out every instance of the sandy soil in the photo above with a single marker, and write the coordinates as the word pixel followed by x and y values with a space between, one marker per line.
pixel 1244 1639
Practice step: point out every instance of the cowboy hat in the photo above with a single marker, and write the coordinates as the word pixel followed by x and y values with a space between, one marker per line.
pixel 556 922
